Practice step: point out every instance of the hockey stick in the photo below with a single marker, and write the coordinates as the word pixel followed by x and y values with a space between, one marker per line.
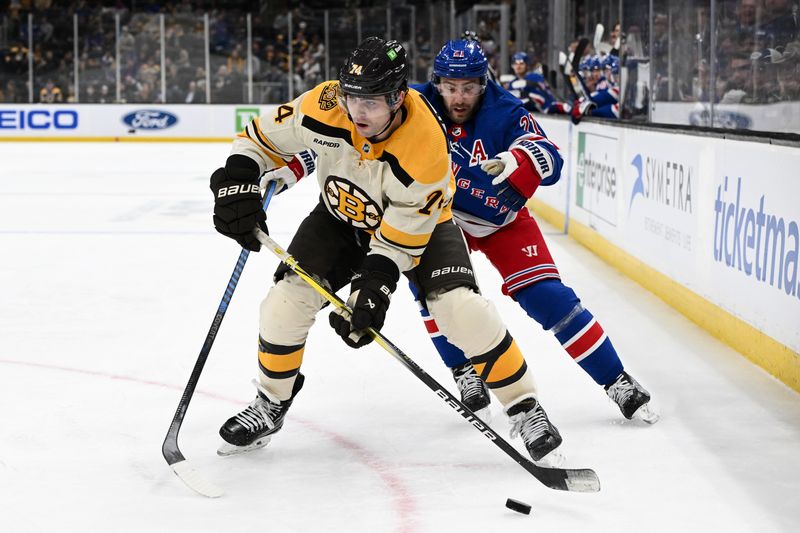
pixel 170 450
pixel 599 30
pixel 576 480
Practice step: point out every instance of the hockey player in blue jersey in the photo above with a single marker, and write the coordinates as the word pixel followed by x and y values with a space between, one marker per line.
pixel 606 91
pixel 532 89
pixel 500 156
pixel 599 74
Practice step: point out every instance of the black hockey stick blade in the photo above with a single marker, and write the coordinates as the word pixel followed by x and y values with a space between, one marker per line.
pixel 580 480
pixel 170 449
pixel 580 49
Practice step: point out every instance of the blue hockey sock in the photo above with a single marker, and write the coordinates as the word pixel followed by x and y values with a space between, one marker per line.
pixel 558 309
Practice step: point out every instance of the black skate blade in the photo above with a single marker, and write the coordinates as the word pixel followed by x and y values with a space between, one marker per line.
pixel 226 449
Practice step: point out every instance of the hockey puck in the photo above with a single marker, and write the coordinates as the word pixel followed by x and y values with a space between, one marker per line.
pixel 518 506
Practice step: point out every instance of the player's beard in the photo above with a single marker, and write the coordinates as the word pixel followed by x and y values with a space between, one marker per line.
pixel 460 112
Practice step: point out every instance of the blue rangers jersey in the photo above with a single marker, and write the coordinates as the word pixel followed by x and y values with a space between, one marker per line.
pixel 500 123
pixel 605 92
pixel 533 88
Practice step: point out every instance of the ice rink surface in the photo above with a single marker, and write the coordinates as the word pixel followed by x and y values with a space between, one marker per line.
pixel 111 273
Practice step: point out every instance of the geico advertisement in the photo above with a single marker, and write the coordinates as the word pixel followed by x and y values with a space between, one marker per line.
pixel 659 188
pixel 597 176
pixel 754 247
pixel 121 121
pixel 38 119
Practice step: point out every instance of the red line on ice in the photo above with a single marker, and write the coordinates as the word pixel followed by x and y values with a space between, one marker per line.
pixel 402 498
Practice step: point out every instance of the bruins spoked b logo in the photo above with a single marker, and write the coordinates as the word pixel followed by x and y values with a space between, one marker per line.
pixel 327 97
pixel 351 204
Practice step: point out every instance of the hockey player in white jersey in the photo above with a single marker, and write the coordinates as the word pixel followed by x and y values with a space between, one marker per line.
pixel 384 171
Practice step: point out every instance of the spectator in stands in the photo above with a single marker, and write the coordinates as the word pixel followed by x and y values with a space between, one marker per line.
pixel 660 55
pixel 13 93
pixel 193 95
pixel 236 63
pixel 780 22
pixel 105 96
pixel 736 88
pixel 70 99
pixel 615 37
pixel 788 77
pixel 50 93
pixel 89 95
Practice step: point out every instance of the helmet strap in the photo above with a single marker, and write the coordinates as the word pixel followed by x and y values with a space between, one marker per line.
pixel 392 115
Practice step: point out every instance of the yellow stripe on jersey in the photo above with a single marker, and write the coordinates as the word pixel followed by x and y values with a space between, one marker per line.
pixel 394 236
pixel 420 131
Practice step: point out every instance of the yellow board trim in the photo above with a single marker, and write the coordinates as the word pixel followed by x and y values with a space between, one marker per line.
pixel 774 357
pixel 120 139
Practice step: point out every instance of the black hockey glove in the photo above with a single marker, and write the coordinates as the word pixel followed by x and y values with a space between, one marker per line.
pixel 237 201
pixel 370 291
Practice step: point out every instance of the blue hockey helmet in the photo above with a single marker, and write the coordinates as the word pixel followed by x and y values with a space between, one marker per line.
pixel 595 63
pixel 612 63
pixel 520 57
pixel 460 59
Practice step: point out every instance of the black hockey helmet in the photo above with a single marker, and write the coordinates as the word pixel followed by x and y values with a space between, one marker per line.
pixel 375 67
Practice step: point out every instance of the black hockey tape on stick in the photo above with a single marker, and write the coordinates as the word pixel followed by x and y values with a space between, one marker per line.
pixel 575 480
pixel 169 449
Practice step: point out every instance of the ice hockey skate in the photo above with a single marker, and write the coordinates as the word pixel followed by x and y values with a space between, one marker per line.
pixel 474 393
pixel 633 400
pixel 540 436
pixel 254 427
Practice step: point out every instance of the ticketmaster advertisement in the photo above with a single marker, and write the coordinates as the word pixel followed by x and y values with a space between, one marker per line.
pixel 754 237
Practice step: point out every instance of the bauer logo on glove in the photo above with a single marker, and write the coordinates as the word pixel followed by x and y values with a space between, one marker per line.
pixel 236 189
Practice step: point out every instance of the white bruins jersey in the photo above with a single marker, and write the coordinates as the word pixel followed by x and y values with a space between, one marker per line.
pixel 397 189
